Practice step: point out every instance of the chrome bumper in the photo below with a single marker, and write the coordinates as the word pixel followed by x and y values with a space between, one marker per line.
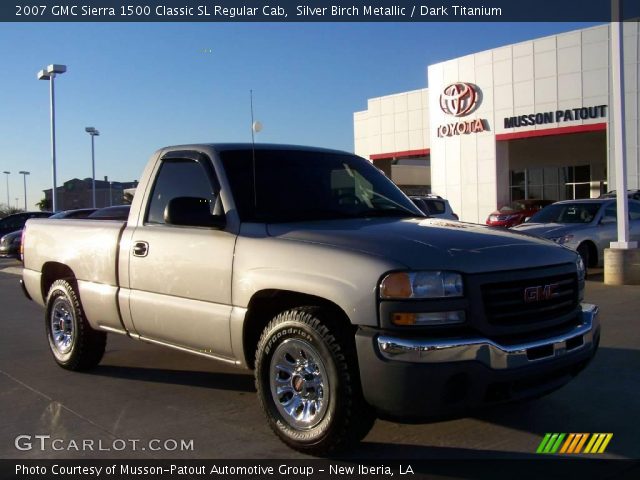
pixel 490 353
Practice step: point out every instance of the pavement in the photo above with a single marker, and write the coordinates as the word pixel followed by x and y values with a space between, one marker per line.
pixel 145 392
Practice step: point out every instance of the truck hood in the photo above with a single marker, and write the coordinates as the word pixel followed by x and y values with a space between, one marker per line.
pixel 429 243
pixel 549 230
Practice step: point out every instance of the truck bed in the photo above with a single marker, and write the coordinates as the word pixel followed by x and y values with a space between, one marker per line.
pixel 89 248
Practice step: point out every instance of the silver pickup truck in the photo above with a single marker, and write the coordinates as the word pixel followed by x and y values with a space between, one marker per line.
pixel 313 269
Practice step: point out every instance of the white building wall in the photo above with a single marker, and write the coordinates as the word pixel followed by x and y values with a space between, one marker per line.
pixel 563 71
pixel 394 123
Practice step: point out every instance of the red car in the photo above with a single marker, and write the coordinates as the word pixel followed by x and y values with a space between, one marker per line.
pixel 516 213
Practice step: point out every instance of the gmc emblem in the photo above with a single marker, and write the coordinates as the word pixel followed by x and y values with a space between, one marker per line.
pixel 539 293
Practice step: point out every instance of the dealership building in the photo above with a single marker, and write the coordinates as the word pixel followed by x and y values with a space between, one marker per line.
pixel 530 120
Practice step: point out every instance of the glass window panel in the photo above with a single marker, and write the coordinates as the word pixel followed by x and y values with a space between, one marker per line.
pixel 535 176
pixel 517 193
pixel 583 190
pixel 550 192
pixel 178 178
pixel 535 191
pixel 517 177
pixel 551 175
pixel 582 173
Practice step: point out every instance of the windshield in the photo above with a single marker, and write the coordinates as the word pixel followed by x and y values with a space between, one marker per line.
pixel 295 185
pixel 514 207
pixel 567 213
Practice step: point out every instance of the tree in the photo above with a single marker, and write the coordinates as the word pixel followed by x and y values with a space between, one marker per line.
pixel 8 210
pixel 44 205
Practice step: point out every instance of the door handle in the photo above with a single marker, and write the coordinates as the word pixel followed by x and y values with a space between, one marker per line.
pixel 140 249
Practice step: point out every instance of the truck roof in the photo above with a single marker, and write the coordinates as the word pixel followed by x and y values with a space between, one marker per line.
pixel 221 147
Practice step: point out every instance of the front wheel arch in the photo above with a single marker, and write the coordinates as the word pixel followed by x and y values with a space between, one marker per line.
pixel 591 252
pixel 345 418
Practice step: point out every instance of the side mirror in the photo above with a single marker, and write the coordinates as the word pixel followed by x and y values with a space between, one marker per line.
pixel 193 212
pixel 526 219
pixel 607 220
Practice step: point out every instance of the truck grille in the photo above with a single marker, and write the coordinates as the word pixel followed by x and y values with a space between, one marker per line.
pixel 530 301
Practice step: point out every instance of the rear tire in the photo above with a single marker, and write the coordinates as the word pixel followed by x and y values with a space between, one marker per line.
pixel 73 343
pixel 308 382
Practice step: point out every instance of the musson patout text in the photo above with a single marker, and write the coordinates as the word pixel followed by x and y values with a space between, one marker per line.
pixel 173 470
pixel 264 11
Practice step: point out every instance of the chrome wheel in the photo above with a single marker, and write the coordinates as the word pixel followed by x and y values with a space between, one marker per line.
pixel 299 384
pixel 62 328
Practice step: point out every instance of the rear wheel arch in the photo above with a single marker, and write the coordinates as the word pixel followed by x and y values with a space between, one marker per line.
pixel 52 271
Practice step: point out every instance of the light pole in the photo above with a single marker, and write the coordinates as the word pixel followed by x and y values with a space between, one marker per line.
pixel 94 133
pixel 24 178
pixel 7 174
pixel 49 73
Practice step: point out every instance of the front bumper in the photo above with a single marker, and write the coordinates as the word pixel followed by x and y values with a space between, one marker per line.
pixel 408 376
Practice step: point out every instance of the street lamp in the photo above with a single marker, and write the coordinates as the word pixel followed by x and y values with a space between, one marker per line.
pixel 7 174
pixel 94 133
pixel 24 177
pixel 49 73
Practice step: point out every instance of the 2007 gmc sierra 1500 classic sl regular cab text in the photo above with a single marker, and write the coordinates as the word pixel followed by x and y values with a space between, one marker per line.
pixel 312 268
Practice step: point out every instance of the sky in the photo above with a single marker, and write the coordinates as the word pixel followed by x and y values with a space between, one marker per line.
pixel 145 86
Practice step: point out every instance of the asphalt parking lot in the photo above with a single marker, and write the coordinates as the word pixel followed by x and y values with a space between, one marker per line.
pixel 146 392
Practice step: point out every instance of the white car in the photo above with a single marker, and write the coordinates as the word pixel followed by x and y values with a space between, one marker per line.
pixel 587 226
pixel 434 206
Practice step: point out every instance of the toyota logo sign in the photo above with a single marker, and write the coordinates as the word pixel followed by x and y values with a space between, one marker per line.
pixel 459 99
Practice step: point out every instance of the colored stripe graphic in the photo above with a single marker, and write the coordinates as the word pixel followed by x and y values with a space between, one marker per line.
pixel 606 441
pixel 581 443
pixel 556 445
pixel 543 443
pixel 572 443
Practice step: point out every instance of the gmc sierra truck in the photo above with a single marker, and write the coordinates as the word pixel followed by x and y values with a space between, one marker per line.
pixel 313 269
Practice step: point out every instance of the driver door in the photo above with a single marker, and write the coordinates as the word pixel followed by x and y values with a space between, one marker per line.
pixel 180 276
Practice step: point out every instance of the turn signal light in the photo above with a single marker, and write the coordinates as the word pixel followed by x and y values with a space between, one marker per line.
pixel 430 318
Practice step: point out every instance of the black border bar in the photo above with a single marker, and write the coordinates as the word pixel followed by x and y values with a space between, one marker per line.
pixel 287 11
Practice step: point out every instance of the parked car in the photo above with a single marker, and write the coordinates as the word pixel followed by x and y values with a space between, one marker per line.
pixel 434 206
pixel 11 242
pixel 312 268
pixel 117 212
pixel 516 213
pixel 586 226
pixel 78 213
pixel 633 194
pixel 14 222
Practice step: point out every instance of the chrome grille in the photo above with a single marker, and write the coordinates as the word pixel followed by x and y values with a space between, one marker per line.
pixel 505 303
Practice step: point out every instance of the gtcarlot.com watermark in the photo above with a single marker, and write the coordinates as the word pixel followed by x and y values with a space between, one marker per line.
pixel 46 443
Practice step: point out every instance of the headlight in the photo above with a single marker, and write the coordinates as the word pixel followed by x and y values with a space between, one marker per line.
pixel 562 240
pixel 581 269
pixel 406 285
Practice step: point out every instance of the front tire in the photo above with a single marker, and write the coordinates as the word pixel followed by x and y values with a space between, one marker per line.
pixel 73 343
pixel 308 382
pixel 585 254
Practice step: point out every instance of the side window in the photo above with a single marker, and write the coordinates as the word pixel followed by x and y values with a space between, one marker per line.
pixel 179 178
pixel 609 215
pixel 16 222
pixel 435 207
pixel 634 211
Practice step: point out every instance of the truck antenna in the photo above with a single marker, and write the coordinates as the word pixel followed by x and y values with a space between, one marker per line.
pixel 253 154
